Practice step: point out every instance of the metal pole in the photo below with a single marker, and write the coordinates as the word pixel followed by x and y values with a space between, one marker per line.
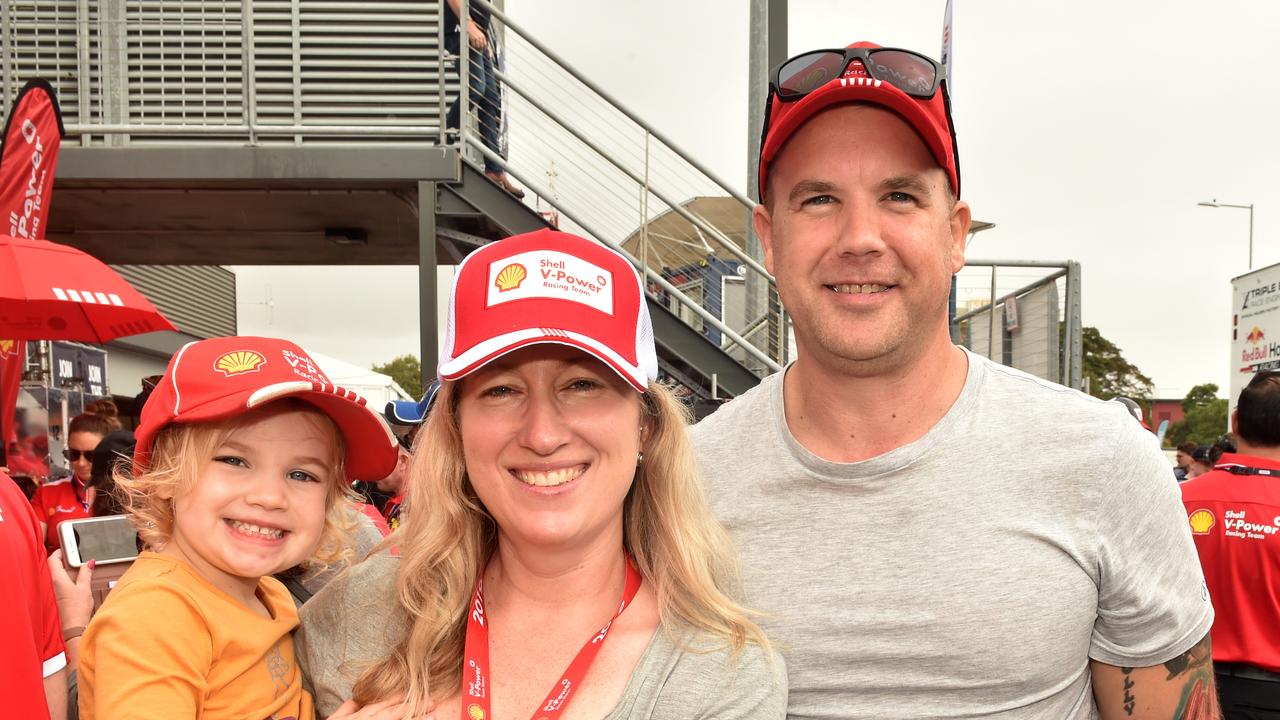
pixel 1250 236
pixel 246 53
pixel 1074 339
pixel 464 71
pixel 427 331
pixel 991 324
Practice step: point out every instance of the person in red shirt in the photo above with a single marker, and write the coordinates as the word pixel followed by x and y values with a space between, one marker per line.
pixel 72 498
pixel 32 657
pixel 1234 514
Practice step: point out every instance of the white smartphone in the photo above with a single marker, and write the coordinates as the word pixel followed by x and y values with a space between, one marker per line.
pixel 107 540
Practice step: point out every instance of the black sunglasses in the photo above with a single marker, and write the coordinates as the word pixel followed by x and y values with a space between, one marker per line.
pixel 910 72
pixel 75 455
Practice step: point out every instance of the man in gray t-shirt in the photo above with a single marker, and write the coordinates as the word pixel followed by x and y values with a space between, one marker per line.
pixel 917 523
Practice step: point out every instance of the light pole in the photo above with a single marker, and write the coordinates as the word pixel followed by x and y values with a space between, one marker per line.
pixel 1215 204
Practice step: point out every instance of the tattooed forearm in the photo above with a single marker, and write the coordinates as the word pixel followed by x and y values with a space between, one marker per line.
pixel 1199 698
pixel 1129 700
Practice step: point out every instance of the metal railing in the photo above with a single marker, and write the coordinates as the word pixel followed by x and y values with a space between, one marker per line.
pixel 307 72
pixel 1024 314
pixel 598 169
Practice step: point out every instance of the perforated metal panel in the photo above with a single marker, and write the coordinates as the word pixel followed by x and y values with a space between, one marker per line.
pixel 218 71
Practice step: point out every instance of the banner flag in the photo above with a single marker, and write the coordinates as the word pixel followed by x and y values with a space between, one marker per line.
pixel 12 358
pixel 948 59
pixel 29 147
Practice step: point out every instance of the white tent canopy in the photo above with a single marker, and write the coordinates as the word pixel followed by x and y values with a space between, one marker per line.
pixel 377 389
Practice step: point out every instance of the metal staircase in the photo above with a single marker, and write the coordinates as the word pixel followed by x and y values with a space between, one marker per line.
pixel 303 112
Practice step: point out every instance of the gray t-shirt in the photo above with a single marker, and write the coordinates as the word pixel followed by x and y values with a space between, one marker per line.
pixel 972 573
pixel 355 621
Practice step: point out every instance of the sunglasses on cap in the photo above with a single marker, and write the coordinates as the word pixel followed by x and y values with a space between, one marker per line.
pixel 910 72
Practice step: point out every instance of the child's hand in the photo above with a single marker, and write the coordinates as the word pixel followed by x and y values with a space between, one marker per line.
pixel 75 597
pixel 392 709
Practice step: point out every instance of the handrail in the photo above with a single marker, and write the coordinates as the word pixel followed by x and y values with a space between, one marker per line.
pixel 747 202
pixel 648 272
pixel 701 224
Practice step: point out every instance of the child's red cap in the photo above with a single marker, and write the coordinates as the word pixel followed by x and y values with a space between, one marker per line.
pixel 220 378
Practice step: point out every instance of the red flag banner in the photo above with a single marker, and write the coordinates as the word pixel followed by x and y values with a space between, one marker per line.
pixel 33 134
pixel 12 354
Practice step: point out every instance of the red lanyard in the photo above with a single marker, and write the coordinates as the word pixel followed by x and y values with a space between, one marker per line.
pixel 475 671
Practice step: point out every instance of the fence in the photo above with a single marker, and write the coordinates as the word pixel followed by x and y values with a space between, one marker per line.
pixel 1024 314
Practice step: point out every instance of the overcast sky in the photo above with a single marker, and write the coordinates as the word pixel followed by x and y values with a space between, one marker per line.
pixel 1087 130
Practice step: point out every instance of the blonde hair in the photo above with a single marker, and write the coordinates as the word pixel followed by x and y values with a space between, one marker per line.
pixel 181 451
pixel 448 536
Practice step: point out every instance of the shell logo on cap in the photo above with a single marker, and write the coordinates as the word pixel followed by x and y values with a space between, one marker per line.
pixel 239 362
pixel 1201 522
pixel 511 277
pixel 475 712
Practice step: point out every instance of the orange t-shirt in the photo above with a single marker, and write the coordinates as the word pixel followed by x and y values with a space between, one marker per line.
pixel 167 643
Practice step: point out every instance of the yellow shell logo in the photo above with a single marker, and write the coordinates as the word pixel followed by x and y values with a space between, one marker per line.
pixel 475 712
pixel 511 277
pixel 7 347
pixel 239 362
pixel 1201 522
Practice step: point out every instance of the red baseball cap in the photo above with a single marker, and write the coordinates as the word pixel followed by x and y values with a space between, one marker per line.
pixel 930 118
pixel 223 377
pixel 549 287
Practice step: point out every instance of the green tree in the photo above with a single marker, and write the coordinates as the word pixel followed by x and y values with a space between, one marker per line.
pixel 1204 417
pixel 406 370
pixel 1108 374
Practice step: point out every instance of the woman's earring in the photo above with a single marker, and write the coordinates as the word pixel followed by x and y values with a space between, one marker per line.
pixel 639 457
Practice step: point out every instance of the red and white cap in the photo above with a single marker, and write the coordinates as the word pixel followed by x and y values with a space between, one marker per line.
pixel 930 118
pixel 223 377
pixel 549 287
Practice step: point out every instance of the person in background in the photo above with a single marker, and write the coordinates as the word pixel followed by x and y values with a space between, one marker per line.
pixel 1234 515
pixel 486 95
pixel 411 414
pixel 33 660
pixel 69 498
pixel 1201 461
pixel 1182 460
pixel 243 459
pixel 114 453
pixel 921 541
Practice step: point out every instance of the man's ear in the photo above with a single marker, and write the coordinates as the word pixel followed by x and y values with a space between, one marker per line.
pixel 961 219
pixel 762 221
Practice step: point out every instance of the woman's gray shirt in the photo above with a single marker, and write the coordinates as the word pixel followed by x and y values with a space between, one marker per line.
pixel 355 620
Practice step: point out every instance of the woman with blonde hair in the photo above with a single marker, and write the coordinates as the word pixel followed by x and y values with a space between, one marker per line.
pixel 557 556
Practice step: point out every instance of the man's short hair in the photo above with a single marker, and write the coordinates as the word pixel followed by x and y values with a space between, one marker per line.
pixel 1188 447
pixel 1258 411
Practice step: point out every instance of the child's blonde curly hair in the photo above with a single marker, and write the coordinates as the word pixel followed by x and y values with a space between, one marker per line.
pixel 180 453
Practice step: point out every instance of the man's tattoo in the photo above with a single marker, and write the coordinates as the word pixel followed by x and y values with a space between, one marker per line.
pixel 1129 700
pixel 1197 657
pixel 1199 699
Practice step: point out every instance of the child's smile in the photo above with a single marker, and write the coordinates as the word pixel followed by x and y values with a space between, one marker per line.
pixel 258 505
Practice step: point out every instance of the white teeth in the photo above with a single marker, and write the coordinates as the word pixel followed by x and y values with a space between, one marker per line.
pixel 266 532
pixel 858 289
pixel 549 478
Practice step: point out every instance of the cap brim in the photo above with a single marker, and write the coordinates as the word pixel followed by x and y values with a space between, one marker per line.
pixel 370 444
pixel 494 348
pixel 404 412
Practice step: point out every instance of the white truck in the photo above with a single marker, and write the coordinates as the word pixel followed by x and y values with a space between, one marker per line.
pixel 1255 326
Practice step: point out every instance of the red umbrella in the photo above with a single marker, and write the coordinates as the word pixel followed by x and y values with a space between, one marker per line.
pixel 50 291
